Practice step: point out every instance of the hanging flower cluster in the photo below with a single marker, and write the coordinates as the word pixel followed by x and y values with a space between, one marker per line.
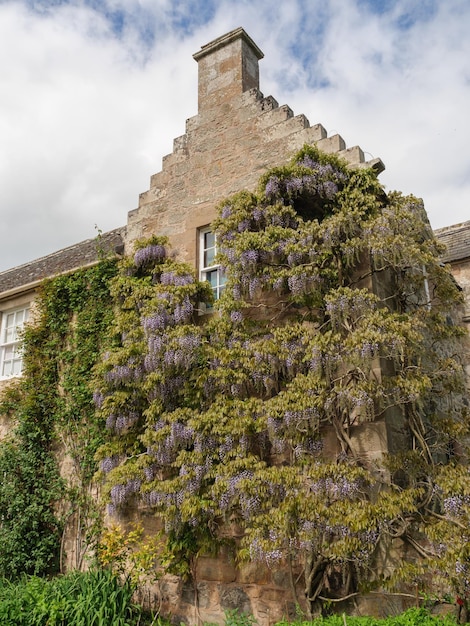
pixel 251 413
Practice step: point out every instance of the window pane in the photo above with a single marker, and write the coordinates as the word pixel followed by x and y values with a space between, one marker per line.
pixel 8 352
pixel 9 335
pixel 212 277
pixel 209 239
pixel 6 368
pixel 209 257
pixel 209 248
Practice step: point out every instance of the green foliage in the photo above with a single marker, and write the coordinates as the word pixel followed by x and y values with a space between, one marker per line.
pixel 29 530
pixel 411 617
pixel 337 312
pixel 51 403
pixel 234 618
pixel 94 598
pixel 128 554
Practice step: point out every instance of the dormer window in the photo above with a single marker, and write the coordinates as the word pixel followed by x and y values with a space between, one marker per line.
pixel 208 268
pixel 11 353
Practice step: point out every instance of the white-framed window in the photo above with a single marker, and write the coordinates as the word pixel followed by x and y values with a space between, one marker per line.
pixel 208 268
pixel 11 353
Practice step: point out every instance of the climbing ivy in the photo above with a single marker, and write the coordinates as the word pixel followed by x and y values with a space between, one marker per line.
pixel 52 410
pixel 337 312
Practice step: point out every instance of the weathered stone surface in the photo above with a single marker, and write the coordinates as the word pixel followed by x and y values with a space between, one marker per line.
pixel 237 134
pixel 235 598
pixel 254 573
pixel 222 569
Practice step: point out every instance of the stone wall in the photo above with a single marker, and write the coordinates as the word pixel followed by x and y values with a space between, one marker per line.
pixel 236 136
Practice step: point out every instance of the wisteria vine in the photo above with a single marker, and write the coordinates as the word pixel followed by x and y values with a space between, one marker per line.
pixel 253 413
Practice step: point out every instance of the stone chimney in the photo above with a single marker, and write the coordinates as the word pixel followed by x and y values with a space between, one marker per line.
pixel 228 66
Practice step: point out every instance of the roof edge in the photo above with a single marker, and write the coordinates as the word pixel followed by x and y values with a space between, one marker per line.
pixel 224 40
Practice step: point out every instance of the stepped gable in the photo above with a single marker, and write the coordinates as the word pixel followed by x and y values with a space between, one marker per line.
pixel 236 136
pixel 66 260
pixel 456 238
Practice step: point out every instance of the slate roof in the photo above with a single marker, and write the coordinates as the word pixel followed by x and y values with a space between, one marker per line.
pixel 456 238
pixel 79 255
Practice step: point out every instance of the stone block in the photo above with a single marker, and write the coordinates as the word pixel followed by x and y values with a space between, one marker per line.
pixel 272 117
pixel 332 144
pixel 253 573
pixel 209 568
pixel 235 598
pixel 353 155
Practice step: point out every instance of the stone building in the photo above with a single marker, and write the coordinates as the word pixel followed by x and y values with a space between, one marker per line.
pixel 237 134
pixel 456 239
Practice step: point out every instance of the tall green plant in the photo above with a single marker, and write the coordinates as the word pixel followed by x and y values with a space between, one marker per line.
pixel 93 598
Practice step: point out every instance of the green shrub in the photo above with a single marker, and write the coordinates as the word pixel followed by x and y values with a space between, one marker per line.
pixel 411 617
pixel 94 598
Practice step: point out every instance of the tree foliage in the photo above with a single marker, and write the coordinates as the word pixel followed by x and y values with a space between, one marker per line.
pixel 337 313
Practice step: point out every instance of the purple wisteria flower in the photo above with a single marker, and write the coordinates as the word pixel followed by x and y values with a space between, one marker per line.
pixel 295 258
pixel 297 284
pixel 453 505
pixel 258 214
pixel 120 494
pixel 125 420
pixel 270 557
pixel 272 186
pixel 369 350
pixel 120 374
pixel 157 321
pixel 109 463
pixel 178 280
pixel 338 488
pixel 249 257
pixel 149 254
pixel 253 285
pixel 226 211
pixel 183 311
pixel 328 189
pixel 243 226
pixel 236 317
pixel 98 398
pixel 150 472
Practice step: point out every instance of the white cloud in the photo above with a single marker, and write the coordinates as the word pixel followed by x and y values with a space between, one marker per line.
pixel 91 100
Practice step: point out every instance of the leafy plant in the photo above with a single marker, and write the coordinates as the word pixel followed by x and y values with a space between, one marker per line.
pixel 233 617
pixel 53 403
pixel 128 554
pixel 411 617
pixel 94 598
pixel 337 312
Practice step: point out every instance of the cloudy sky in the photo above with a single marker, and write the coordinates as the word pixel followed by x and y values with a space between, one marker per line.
pixel 92 93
